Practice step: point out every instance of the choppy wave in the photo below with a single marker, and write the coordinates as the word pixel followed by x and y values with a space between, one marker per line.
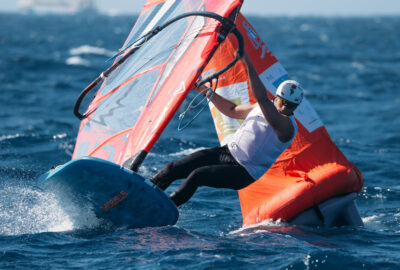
pixel 87 49
pixel 77 61
pixel 186 152
pixel 261 227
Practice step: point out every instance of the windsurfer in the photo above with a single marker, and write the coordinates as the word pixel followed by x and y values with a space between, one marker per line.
pixel 267 130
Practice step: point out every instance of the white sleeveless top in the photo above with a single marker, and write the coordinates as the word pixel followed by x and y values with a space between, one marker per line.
pixel 256 145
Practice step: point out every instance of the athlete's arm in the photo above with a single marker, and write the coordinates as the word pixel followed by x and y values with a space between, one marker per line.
pixel 280 123
pixel 227 107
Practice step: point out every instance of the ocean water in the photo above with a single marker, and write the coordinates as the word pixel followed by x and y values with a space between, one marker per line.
pixel 351 70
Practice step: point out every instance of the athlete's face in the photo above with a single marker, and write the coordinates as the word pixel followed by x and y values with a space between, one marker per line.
pixel 283 106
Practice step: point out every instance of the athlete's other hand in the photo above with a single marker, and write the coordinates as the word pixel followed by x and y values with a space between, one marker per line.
pixel 203 88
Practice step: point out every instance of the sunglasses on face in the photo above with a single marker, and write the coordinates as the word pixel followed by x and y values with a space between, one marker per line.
pixel 286 103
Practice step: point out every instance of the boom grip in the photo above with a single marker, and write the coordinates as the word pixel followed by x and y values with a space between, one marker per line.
pixel 83 94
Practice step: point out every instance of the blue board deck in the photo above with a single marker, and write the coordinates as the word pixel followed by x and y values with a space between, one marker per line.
pixel 113 193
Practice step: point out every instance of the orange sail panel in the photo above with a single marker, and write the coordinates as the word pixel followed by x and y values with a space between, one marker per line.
pixel 136 102
pixel 311 170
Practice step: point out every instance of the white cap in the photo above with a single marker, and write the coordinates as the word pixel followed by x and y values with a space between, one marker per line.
pixel 291 91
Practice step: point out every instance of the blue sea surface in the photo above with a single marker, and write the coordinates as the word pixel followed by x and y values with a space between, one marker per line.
pixel 350 68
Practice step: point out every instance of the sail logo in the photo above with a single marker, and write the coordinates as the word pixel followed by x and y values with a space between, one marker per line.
pixel 255 39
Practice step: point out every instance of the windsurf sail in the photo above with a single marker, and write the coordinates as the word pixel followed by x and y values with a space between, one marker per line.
pixel 311 170
pixel 161 60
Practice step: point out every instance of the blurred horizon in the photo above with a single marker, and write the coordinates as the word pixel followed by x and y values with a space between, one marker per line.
pixel 252 7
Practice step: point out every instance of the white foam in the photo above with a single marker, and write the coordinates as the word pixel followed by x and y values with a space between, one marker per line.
pixel 87 49
pixel 59 136
pixel 186 152
pixel 306 261
pixel 257 228
pixel 28 210
pixel 8 137
pixel 77 61
pixel 25 210
pixel 372 218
